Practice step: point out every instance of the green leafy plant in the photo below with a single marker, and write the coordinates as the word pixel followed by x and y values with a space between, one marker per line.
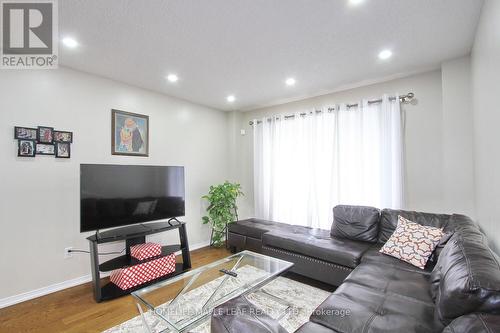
pixel 222 209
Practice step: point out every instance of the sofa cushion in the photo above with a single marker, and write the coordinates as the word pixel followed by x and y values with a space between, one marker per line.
pixel 317 243
pixel 436 272
pixel 474 323
pixel 355 222
pixel 310 327
pixel 374 255
pixel 255 228
pixel 456 223
pixel 459 223
pixel 412 242
pixel 389 221
pixel 371 310
pixel 439 247
pixel 466 278
pixel 239 315
pixel 392 280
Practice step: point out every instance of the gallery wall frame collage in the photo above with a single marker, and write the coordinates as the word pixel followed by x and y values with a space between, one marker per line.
pixel 43 140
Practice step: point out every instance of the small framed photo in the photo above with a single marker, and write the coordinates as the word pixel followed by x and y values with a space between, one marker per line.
pixel 25 133
pixel 26 148
pixel 45 134
pixel 63 136
pixel 45 149
pixel 63 150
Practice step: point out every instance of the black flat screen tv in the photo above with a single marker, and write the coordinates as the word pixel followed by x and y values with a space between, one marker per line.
pixel 118 195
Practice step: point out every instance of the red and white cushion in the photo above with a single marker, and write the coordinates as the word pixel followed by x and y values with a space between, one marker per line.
pixel 412 242
pixel 145 251
pixel 132 276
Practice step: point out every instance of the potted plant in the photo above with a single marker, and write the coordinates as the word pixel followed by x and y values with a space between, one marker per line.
pixel 221 210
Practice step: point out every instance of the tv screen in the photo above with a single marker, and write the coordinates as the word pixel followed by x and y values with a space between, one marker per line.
pixel 118 195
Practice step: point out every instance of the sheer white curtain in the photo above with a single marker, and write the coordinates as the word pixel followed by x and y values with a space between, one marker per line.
pixel 303 166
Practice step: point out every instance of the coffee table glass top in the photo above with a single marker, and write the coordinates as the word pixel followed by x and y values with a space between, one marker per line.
pixel 187 299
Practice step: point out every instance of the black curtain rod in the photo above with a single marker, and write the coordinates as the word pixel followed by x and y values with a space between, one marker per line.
pixel 402 98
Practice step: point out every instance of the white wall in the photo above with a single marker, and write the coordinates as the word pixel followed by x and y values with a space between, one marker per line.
pixel 426 147
pixel 39 204
pixel 485 71
pixel 458 146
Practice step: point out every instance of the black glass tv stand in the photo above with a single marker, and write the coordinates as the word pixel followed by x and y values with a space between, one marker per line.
pixel 132 235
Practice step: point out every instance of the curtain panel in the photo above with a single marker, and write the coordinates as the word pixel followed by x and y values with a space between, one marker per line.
pixel 305 165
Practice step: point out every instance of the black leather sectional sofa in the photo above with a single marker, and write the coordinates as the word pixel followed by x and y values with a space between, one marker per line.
pixel 458 291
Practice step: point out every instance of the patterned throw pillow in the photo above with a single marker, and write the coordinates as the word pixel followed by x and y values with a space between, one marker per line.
pixel 412 242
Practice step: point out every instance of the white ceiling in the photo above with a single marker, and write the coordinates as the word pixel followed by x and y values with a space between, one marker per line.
pixel 249 47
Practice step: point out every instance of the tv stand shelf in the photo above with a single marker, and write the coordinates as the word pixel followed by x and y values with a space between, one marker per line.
pixel 133 235
pixel 110 290
pixel 127 260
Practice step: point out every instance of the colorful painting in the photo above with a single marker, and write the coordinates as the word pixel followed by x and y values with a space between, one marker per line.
pixel 130 133
pixel 45 149
pixel 61 136
pixel 45 134
pixel 26 148
pixel 25 133
pixel 63 150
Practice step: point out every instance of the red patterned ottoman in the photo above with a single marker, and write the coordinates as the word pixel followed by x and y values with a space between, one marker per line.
pixel 145 251
pixel 132 276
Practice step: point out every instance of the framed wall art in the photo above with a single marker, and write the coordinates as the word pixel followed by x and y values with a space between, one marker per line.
pixel 43 140
pixel 26 148
pixel 63 136
pixel 45 134
pixel 45 149
pixel 62 150
pixel 25 133
pixel 129 133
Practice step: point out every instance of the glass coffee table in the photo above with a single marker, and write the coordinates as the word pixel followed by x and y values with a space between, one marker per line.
pixel 187 300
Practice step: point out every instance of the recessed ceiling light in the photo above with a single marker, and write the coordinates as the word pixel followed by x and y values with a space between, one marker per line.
pixel 385 54
pixel 355 2
pixel 172 77
pixel 230 98
pixel 70 42
pixel 290 81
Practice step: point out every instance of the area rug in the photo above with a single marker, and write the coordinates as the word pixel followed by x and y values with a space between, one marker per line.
pixel 304 298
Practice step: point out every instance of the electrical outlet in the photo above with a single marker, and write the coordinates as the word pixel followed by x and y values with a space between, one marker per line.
pixel 67 252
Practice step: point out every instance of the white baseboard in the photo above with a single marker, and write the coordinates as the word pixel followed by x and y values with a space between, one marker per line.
pixel 199 245
pixel 11 300
pixel 15 299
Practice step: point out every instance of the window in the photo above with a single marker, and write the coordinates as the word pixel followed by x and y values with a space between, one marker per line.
pixel 306 164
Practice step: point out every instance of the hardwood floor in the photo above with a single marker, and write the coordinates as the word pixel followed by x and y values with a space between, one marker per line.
pixel 74 309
